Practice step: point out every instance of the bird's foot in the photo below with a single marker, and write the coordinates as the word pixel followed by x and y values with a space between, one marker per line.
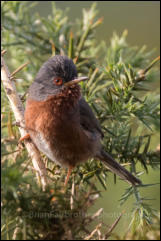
pixel 26 137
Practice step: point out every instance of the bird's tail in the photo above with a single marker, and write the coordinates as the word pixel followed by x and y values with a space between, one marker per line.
pixel 116 168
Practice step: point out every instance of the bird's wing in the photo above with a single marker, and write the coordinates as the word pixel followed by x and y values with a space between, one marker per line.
pixel 88 120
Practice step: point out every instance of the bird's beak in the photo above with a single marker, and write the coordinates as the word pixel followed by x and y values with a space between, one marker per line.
pixel 75 81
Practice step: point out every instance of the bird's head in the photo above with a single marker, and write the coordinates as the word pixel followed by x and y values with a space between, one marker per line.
pixel 55 75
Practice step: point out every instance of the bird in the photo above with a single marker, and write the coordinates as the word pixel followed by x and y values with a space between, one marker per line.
pixel 61 123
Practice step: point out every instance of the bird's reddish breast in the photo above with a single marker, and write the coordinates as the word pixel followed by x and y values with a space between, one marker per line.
pixel 53 110
pixel 54 123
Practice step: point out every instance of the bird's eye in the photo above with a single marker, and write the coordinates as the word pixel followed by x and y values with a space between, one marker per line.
pixel 58 81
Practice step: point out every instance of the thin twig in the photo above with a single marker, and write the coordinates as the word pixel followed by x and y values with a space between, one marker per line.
pixel 18 69
pixel 16 232
pixel 97 214
pixel 72 195
pixel 3 52
pixel 143 72
pixel 113 226
pixel 152 64
pixel 18 110
pixel 93 232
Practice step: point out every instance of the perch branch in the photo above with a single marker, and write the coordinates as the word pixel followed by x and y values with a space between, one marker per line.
pixel 18 110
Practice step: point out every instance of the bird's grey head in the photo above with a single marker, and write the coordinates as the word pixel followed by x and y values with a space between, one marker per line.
pixel 52 76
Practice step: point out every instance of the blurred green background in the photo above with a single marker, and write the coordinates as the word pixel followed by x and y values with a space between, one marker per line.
pixel 142 20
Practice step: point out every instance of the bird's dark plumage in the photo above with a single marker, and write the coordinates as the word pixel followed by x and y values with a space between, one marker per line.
pixel 61 123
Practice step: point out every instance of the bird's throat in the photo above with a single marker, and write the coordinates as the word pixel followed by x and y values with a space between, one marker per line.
pixel 66 100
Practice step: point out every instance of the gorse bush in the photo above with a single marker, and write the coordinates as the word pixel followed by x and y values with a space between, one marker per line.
pixel 118 90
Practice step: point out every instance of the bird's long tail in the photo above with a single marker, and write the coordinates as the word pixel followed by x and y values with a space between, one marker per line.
pixel 116 168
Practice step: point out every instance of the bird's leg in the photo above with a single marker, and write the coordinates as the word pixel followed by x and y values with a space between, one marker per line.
pixel 70 168
pixel 66 182
pixel 68 175
pixel 27 136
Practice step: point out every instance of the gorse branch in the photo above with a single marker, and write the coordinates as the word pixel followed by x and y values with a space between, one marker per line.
pixel 18 110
